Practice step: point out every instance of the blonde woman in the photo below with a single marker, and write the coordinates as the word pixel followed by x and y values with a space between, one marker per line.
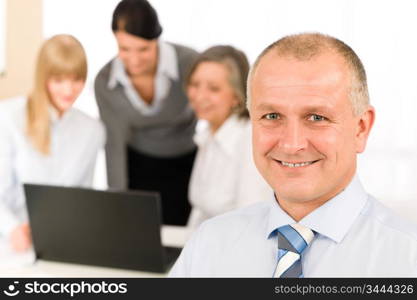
pixel 224 176
pixel 42 138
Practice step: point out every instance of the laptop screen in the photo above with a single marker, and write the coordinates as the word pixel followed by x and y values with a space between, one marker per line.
pixel 105 228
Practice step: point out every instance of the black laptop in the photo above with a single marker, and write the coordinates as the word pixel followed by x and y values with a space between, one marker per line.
pixel 103 228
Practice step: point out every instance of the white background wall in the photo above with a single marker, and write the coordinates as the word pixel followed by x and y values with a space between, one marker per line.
pixel 382 32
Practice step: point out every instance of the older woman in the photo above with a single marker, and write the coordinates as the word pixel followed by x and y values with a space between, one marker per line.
pixel 224 176
pixel 42 138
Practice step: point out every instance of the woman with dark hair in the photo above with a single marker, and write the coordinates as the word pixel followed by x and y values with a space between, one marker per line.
pixel 145 110
pixel 43 139
pixel 224 176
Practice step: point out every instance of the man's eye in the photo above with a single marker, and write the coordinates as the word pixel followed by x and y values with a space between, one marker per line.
pixel 272 116
pixel 316 118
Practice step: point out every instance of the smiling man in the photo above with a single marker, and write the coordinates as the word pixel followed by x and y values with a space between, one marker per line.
pixel 307 131
pixel 310 112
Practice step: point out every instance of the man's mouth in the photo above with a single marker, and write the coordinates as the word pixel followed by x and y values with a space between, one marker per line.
pixel 296 164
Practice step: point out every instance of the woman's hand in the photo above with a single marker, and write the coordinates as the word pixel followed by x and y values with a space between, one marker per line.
pixel 20 238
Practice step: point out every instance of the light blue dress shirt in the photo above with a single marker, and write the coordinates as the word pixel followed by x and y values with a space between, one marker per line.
pixel 357 237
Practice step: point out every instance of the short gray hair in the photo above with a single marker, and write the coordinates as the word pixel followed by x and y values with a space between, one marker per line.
pixel 237 64
pixel 305 46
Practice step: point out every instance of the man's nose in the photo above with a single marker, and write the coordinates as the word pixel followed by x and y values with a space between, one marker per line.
pixel 293 137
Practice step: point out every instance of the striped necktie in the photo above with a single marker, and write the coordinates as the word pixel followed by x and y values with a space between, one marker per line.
pixel 292 241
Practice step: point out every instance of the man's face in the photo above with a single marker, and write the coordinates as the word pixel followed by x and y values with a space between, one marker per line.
pixel 305 135
pixel 138 55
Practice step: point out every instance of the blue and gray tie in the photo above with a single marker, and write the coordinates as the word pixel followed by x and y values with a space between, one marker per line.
pixel 292 241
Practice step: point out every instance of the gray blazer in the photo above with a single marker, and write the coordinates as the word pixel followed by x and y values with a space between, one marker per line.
pixel 167 134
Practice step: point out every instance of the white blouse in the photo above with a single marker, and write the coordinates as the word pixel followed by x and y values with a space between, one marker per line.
pixel 75 141
pixel 224 176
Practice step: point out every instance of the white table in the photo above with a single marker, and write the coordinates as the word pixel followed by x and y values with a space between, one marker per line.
pixel 25 265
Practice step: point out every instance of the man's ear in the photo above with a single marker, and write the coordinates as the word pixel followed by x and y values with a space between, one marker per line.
pixel 364 126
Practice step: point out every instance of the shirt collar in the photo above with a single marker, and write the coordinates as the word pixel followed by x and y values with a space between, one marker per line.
pixel 167 66
pixel 167 61
pixel 202 133
pixel 333 219
pixel 226 136
pixel 54 117
pixel 117 74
